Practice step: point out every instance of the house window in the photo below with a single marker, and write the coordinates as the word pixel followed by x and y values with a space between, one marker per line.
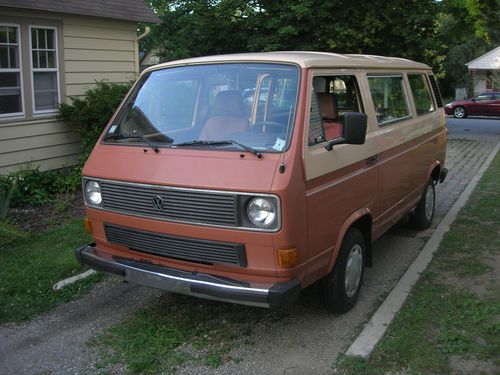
pixel 11 102
pixel 44 69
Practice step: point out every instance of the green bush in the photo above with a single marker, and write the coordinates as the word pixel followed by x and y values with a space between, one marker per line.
pixel 90 114
pixel 32 187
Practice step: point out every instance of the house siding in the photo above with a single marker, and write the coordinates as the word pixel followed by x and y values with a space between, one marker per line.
pixel 92 49
pixel 479 81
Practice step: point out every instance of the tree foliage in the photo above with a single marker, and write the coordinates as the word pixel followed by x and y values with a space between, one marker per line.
pixel 467 29
pixel 444 34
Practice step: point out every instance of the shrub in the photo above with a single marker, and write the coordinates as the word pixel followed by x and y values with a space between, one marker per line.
pixel 32 187
pixel 90 114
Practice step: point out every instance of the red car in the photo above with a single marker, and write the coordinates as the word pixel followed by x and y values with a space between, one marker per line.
pixel 485 104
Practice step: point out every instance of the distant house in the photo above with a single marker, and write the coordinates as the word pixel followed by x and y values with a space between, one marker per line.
pixel 50 51
pixel 485 71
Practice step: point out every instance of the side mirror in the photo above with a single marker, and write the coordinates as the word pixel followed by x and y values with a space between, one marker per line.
pixel 355 128
pixel 354 131
pixel 474 100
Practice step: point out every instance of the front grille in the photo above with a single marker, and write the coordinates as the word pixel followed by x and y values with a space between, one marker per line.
pixel 192 206
pixel 183 248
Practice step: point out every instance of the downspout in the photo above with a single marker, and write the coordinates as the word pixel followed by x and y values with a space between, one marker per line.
pixel 146 32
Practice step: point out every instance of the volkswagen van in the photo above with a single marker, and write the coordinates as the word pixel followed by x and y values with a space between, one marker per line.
pixel 245 178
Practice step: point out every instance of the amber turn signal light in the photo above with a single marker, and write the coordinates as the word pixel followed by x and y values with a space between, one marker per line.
pixel 88 225
pixel 288 257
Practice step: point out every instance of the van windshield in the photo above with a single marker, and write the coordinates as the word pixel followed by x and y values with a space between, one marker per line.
pixel 247 103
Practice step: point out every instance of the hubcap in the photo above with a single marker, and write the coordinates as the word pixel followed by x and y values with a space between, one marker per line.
pixel 429 202
pixel 459 112
pixel 353 270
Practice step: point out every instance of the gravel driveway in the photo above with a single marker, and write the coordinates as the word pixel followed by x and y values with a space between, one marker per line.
pixel 306 342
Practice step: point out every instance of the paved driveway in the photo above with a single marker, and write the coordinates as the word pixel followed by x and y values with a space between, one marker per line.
pixel 308 341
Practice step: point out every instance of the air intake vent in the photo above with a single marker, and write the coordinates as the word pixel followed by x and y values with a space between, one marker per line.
pixel 435 88
pixel 182 248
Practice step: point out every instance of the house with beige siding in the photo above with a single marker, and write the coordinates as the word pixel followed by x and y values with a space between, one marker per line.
pixel 51 51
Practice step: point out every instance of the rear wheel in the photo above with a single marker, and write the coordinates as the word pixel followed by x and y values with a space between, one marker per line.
pixel 422 217
pixel 459 112
pixel 341 287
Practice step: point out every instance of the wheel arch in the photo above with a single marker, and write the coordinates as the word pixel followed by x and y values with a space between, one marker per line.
pixel 362 220
pixel 434 171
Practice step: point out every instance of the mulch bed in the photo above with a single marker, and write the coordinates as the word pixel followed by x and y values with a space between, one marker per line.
pixel 34 219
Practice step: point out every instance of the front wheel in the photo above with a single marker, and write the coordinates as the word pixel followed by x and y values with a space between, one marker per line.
pixel 422 217
pixel 340 288
pixel 459 112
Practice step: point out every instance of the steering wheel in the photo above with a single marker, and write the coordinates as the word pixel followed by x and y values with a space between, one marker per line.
pixel 268 127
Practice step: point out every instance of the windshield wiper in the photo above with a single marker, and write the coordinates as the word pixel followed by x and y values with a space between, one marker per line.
pixel 141 137
pixel 220 143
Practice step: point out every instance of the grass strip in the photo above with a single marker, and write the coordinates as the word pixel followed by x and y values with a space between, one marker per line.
pixel 179 330
pixel 452 317
pixel 29 268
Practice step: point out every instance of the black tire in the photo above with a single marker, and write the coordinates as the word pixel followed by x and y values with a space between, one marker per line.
pixel 421 217
pixel 337 295
pixel 459 112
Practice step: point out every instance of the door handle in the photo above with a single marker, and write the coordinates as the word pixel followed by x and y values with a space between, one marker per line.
pixel 372 160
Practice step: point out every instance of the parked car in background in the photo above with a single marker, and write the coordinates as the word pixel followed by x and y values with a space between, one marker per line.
pixel 485 104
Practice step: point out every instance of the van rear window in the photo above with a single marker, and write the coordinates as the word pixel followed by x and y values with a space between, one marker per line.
pixel 421 93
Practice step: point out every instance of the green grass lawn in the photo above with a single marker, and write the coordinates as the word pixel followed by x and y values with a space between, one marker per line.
pixel 452 318
pixel 30 267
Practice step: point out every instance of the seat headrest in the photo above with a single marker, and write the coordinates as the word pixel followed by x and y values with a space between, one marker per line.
pixel 228 103
pixel 327 105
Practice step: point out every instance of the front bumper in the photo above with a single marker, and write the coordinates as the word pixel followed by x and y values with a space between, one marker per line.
pixel 195 284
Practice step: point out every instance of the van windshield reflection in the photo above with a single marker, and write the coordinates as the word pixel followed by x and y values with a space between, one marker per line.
pixel 246 104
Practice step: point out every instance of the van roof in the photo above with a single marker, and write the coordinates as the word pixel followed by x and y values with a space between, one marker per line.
pixel 305 59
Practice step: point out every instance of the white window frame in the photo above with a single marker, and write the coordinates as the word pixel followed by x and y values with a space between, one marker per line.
pixel 51 70
pixel 17 70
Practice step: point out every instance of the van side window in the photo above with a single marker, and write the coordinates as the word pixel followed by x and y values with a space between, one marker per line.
pixel 331 98
pixel 389 98
pixel 421 93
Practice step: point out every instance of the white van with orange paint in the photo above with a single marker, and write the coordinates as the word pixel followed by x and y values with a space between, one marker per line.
pixel 246 178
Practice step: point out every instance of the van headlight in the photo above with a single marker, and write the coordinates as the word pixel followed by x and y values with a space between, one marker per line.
pixel 261 212
pixel 93 193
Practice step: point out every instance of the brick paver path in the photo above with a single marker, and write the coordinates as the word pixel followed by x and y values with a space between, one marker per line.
pixel 463 159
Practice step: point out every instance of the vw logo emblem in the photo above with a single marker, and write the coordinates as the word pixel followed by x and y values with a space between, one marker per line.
pixel 158 203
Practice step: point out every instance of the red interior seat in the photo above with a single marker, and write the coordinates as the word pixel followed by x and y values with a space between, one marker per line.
pixel 227 117
pixel 329 114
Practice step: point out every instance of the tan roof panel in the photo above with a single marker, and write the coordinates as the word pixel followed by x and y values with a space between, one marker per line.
pixel 306 59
